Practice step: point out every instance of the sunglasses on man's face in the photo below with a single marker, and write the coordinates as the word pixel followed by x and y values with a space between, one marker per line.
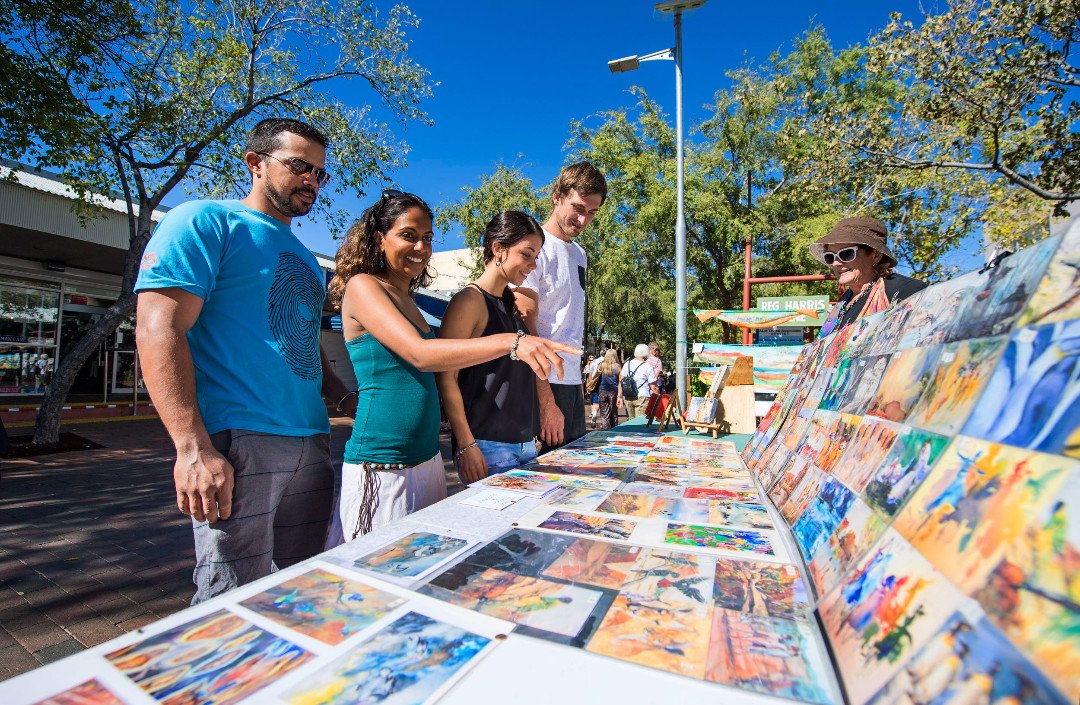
pixel 300 167
pixel 845 255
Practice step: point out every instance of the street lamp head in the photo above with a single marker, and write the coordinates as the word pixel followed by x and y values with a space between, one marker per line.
pixel 627 63
pixel 679 5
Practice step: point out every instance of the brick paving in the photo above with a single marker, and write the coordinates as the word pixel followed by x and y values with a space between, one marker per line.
pixel 92 544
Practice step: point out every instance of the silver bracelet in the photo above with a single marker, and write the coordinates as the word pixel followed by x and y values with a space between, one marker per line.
pixel 462 449
pixel 513 348
pixel 342 400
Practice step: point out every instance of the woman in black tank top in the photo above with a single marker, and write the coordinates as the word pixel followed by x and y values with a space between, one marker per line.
pixel 492 407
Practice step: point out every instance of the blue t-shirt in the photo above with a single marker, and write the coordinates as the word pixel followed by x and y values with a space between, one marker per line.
pixel 256 342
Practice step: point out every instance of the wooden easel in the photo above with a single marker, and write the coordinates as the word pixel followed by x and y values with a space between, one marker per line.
pixel 714 427
pixel 671 413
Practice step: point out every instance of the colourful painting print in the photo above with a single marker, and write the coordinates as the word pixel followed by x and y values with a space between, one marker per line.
pixel 524 483
pixel 715 537
pixel 868 372
pixel 1033 398
pixel 771 469
pixel 979 499
pixel 963 369
pixel 89 693
pixel 858 529
pixel 583 500
pixel 745 514
pixel 407 661
pixel 840 435
pixel 791 474
pixel 661 616
pixel 888 335
pixel 847 372
pixel 1057 297
pixel 804 493
pixel 767 655
pixel 865 452
pixel 533 602
pixel 906 378
pixel 632 505
pixel 968 662
pixel 603 527
pixel 887 607
pixel 213 660
pixel 1033 594
pixel 730 495
pixel 323 606
pixel 822 516
pixel 765 589
pixel 1002 292
pixel 930 321
pixel 599 563
pixel 862 336
pixel 904 469
pixel 411 555
pixel 654 490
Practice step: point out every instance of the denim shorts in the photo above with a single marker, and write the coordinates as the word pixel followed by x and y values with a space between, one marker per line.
pixel 501 457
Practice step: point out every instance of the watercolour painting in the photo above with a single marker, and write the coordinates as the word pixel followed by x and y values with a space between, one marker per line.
pixel 864 330
pixel 660 618
pixel 791 475
pixel 872 442
pixel 598 563
pixel 839 436
pixel 1002 292
pixel 764 589
pixel 962 371
pixel 604 527
pixel 822 516
pixel 526 484
pixel 323 605
pixel 805 492
pixel 887 607
pixel 867 373
pixel 716 537
pixel 412 555
pixel 216 659
pixel 631 505
pixel 858 529
pixel 968 661
pixel 582 500
pixel 767 655
pixel 1033 594
pixel 521 551
pixel 1057 297
pixel 408 661
pixel 1033 398
pixel 654 490
pixel 903 470
pixel 905 380
pixel 542 604
pixel 978 500
pixel 930 321
pixel 89 693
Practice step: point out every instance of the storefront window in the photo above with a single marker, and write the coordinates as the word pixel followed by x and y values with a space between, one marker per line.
pixel 29 312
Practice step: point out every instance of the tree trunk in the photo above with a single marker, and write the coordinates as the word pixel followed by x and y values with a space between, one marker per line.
pixel 47 424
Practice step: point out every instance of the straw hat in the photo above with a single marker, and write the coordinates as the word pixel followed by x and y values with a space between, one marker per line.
pixel 860 230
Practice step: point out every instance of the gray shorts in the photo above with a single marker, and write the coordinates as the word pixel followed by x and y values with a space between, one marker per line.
pixel 283 494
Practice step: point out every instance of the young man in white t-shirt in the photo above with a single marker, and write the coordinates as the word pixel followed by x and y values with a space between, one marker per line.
pixel 552 298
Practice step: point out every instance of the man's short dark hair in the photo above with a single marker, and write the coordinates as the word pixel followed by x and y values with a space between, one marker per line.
pixel 264 136
pixel 582 177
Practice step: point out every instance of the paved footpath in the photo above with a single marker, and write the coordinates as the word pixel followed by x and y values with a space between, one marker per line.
pixel 92 545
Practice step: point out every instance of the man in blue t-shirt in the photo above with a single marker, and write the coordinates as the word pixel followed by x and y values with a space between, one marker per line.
pixel 229 312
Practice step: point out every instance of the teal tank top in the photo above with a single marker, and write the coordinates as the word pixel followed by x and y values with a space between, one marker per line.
pixel 397 410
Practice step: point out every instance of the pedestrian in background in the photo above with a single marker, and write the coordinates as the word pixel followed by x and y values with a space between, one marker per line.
pixel 637 383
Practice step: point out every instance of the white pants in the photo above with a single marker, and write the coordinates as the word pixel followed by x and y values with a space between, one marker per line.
pixel 400 492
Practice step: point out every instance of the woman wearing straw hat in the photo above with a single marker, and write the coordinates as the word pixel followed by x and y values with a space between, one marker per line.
pixel 857 250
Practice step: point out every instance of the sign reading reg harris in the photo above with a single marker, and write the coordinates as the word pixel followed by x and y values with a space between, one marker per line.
pixel 794 303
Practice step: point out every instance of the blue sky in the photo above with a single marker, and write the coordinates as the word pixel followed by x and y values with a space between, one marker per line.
pixel 512 75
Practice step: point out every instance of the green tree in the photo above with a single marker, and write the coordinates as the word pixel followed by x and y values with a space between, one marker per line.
pixel 991 89
pixel 506 188
pixel 168 103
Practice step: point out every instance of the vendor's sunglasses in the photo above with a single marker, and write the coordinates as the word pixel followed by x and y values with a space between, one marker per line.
pixel 845 255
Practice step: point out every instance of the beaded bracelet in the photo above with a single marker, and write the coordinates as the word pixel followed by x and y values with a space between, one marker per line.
pixel 514 347
pixel 462 449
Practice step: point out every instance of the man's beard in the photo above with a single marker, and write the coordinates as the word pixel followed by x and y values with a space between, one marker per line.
pixel 289 206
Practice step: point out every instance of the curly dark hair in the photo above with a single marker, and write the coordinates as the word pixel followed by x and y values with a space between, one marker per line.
pixel 360 253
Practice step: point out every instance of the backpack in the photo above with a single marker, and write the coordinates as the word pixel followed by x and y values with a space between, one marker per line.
pixel 629 386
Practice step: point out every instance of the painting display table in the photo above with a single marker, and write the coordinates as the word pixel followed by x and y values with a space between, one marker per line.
pixel 903 527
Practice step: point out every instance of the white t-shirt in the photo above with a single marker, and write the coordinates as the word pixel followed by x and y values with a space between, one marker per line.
pixel 559 279
pixel 643 375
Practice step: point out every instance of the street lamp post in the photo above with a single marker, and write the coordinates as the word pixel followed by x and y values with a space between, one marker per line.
pixel 675 8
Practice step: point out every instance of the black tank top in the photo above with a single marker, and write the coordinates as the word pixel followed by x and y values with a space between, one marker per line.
pixel 500 395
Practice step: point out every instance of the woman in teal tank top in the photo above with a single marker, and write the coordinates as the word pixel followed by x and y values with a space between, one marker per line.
pixel 392 462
